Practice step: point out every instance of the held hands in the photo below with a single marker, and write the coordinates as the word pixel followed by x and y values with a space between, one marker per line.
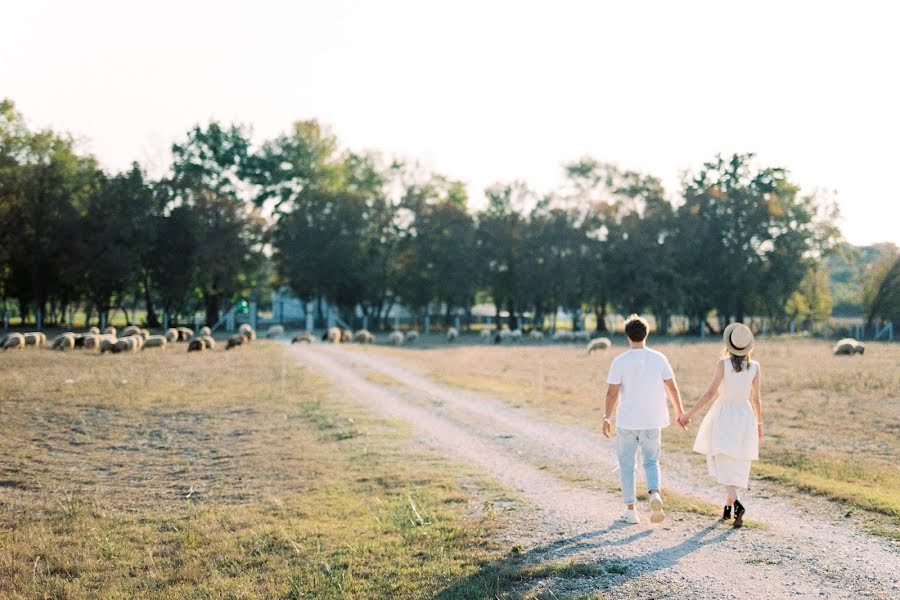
pixel 683 420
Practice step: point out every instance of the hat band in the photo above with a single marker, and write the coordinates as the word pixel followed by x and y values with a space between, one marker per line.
pixel 735 346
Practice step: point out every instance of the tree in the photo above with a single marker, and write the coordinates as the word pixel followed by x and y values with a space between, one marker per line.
pixel 881 292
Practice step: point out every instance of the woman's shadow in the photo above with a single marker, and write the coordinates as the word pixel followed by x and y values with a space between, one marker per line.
pixel 494 578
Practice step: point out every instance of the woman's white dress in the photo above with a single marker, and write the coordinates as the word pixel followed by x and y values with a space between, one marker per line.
pixel 727 434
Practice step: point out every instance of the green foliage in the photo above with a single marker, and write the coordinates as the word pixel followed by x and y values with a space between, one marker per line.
pixel 881 294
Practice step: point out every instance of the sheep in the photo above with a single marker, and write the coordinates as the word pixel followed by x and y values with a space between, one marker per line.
pixel 197 345
pixel 110 331
pixel 536 334
pixel 235 340
pixel 64 341
pixel 13 341
pixel 185 334
pixel 859 348
pixel 131 330
pixel 563 336
pixel 171 335
pixel 305 337
pixel 412 336
pixel 145 333
pixel 396 338
pixel 251 333
pixel 452 334
pixel 209 341
pixel 92 341
pixel 346 336
pixel 79 340
pixel 844 347
pixel 138 341
pixel 364 336
pixel 205 331
pixel 126 344
pixel 275 331
pixel 35 338
pixel 94 331
pixel 156 341
pixel 107 342
pixel 334 335
pixel 598 344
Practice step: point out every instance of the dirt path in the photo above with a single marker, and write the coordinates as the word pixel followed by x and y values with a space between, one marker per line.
pixel 693 557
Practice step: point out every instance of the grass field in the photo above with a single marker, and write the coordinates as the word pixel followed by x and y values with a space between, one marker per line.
pixel 234 474
pixel 832 423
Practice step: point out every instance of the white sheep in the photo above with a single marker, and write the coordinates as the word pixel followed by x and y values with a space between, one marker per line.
pixel 131 330
pixel 209 341
pixel 859 348
pixel 396 338
pixel 236 340
pixel 598 344
pixel 197 345
pixel 364 336
pixel 107 342
pixel 110 331
pixel 126 344
pixel 94 331
pixel 845 347
pixel 91 341
pixel 412 336
pixel 304 337
pixel 13 341
pixel 171 335
pixel 452 334
pixel 536 334
pixel 275 331
pixel 35 338
pixel 248 331
pixel 156 341
pixel 334 335
pixel 64 341
pixel 185 334
pixel 205 331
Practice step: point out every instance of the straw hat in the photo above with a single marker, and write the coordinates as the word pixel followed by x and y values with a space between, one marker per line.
pixel 738 339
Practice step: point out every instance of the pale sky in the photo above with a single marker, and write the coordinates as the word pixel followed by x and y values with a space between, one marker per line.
pixel 486 91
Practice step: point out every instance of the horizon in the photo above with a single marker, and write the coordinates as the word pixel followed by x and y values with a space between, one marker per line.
pixel 545 86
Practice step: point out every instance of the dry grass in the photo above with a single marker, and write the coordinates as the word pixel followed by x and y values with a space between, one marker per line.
pixel 832 423
pixel 216 475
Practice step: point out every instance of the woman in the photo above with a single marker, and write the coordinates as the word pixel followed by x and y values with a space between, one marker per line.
pixel 730 432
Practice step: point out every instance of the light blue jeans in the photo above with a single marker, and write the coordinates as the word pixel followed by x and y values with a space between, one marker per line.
pixel 627 443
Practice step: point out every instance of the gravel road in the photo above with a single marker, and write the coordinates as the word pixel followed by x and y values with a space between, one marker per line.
pixel 796 554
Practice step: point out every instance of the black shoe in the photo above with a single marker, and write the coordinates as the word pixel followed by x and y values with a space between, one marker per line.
pixel 738 514
pixel 726 514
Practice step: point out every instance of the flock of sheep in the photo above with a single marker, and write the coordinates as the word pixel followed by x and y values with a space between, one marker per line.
pixel 131 339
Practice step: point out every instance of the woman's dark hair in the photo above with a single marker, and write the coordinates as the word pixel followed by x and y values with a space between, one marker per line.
pixel 739 362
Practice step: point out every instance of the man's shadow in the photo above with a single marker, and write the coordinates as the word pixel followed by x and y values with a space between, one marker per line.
pixel 502 575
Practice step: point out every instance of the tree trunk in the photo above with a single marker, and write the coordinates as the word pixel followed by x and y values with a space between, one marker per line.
pixel 152 319
pixel 212 309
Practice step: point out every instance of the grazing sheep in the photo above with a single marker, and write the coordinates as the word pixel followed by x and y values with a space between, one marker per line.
pixel 598 344
pixel 110 331
pixel 412 336
pixel 171 335
pixel 13 341
pixel 35 338
pixel 79 340
pixel 107 342
pixel 145 333
pixel 94 330
pixel 334 335
pixel 197 345
pixel 235 340
pixel 126 344
pixel 346 336
pixel 275 331
pixel 452 334
pixel 536 334
pixel 859 348
pixel 205 331
pixel 185 334
pixel 138 341
pixel 845 347
pixel 209 341
pixel 364 336
pixel 305 337
pixel 156 341
pixel 486 334
pixel 131 330
pixel 248 329
pixel 396 338
pixel 91 341
pixel 563 336
pixel 64 341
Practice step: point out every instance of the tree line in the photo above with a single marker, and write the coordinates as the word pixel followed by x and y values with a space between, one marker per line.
pixel 232 219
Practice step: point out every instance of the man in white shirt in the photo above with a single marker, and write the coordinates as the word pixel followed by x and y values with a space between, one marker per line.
pixel 643 379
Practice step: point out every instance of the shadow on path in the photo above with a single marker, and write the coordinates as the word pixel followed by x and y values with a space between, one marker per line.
pixel 559 559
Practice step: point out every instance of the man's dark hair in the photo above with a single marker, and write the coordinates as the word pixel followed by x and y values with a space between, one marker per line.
pixel 636 328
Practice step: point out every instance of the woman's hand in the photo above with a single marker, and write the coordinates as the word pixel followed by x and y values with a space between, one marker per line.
pixel 759 430
pixel 684 419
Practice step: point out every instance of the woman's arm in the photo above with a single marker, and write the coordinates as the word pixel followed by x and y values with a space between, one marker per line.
pixel 718 375
pixel 756 402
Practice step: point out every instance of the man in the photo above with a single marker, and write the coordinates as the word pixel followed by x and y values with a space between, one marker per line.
pixel 642 378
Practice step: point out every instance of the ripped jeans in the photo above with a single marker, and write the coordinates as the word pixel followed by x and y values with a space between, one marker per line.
pixel 627 443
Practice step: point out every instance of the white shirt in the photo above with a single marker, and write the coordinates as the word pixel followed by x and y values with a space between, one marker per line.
pixel 642 398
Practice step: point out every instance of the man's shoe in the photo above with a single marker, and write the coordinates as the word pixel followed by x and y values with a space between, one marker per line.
pixel 738 514
pixel 630 516
pixel 656 508
pixel 726 514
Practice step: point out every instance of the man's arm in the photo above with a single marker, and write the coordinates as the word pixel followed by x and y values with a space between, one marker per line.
pixel 675 397
pixel 612 398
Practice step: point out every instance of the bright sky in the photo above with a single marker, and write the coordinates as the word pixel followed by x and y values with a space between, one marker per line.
pixel 486 91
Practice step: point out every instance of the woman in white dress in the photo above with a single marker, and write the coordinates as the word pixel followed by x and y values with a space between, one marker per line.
pixel 730 432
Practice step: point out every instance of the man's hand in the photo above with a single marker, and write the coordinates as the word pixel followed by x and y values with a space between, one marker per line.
pixel 607 428
pixel 683 420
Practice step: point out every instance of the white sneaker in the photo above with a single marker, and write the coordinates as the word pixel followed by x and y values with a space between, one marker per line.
pixel 630 516
pixel 656 508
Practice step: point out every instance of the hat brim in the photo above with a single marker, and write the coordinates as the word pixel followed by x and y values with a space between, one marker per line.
pixel 729 343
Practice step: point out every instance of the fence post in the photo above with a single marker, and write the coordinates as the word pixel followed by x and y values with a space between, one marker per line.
pixel 102 320
pixel 365 322
pixel 456 322
pixel 253 316
pixel 5 320
pixel 165 323
pixel 310 316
